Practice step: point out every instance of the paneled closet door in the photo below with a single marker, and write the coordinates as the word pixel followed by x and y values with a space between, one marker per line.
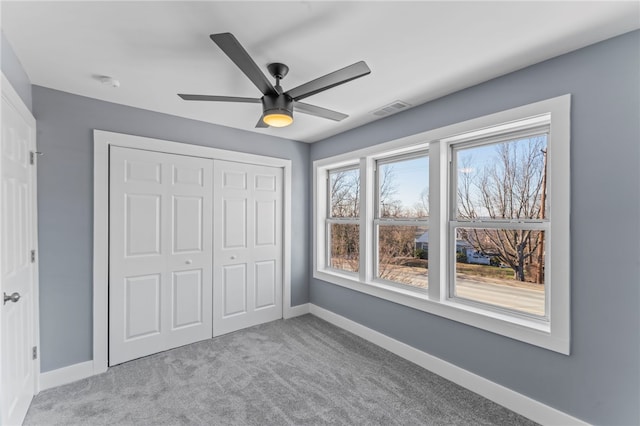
pixel 160 252
pixel 247 245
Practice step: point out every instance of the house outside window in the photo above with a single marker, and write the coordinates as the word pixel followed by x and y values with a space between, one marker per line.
pixel 469 222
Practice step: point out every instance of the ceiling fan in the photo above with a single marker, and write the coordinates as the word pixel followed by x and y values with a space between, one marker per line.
pixel 277 105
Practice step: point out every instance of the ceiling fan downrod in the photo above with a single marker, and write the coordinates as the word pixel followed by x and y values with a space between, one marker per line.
pixel 278 71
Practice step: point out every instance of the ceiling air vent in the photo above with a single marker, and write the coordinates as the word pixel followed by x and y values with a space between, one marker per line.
pixel 392 108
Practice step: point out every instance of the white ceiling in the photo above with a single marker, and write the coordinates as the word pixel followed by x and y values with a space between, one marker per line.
pixel 417 51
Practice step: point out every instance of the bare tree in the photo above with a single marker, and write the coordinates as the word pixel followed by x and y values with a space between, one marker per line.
pixel 345 193
pixel 387 190
pixel 510 188
pixel 422 207
pixel 396 243
pixel 344 188
pixel 345 246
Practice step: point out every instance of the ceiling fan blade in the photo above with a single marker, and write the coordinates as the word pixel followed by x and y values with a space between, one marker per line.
pixel 318 111
pixel 218 98
pixel 234 50
pixel 261 124
pixel 330 80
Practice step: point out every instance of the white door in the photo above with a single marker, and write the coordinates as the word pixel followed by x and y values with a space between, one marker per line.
pixel 247 246
pixel 17 270
pixel 160 252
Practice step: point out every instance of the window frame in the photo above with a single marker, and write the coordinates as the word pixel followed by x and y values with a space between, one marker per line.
pixel 526 129
pixel 552 332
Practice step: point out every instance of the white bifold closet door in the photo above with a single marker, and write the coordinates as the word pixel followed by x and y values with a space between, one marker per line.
pixel 160 252
pixel 247 245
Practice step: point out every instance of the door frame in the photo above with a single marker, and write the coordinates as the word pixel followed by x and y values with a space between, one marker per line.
pixel 102 141
pixel 11 96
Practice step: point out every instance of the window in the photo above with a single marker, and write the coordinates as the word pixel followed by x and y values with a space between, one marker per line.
pixel 402 211
pixel 457 222
pixel 499 222
pixel 343 231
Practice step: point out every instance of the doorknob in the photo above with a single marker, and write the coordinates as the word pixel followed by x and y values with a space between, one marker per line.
pixel 13 298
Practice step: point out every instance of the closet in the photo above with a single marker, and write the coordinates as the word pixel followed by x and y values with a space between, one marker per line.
pixel 195 249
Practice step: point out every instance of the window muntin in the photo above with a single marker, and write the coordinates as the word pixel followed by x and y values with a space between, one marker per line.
pixel 402 209
pixel 495 183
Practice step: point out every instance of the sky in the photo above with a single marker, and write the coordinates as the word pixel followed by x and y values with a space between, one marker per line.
pixel 411 177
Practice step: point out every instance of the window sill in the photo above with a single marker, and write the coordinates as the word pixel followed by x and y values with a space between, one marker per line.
pixel 534 332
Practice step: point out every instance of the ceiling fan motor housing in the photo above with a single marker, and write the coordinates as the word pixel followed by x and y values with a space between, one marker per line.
pixel 278 104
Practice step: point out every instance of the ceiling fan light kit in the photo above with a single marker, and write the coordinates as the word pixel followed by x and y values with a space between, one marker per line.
pixel 278 106
pixel 277 120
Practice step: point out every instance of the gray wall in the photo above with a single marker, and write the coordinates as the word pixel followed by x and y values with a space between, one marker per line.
pixel 599 382
pixel 12 69
pixel 65 205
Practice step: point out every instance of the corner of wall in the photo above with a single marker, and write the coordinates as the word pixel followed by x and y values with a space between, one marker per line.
pixel 15 73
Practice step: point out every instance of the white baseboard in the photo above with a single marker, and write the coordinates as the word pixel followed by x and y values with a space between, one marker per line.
pixel 62 376
pixel 296 311
pixel 497 393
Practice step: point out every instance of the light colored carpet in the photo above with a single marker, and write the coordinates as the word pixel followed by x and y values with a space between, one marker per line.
pixel 302 371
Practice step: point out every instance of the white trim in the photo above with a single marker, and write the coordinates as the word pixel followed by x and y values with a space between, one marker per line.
pixel 100 256
pixel 102 141
pixel 10 94
pixel 65 375
pixel 552 333
pixel 36 265
pixel 12 97
pixel 286 239
pixel 497 393
pixel 296 311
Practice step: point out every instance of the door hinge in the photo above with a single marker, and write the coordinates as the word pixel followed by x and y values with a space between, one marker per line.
pixel 33 256
pixel 34 353
pixel 32 157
